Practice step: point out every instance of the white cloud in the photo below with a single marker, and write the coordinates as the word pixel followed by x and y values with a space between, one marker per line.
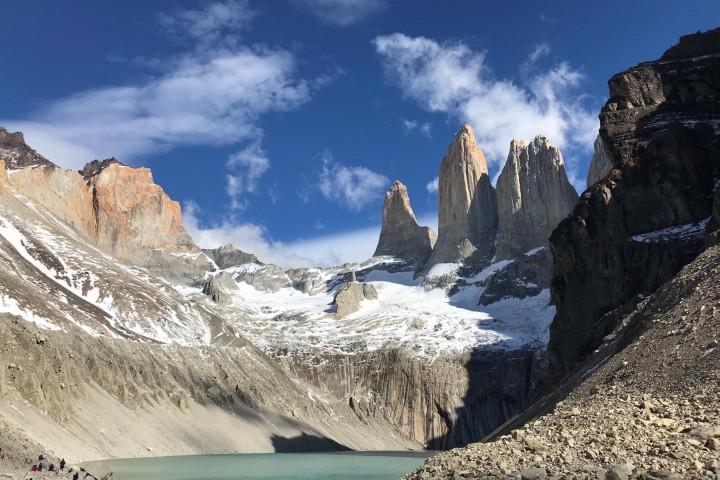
pixel 212 95
pixel 342 12
pixel 538 52
pixel 411 125
pixel 351 187
pixel 209 23
pixel 454 79
pixel 251 163
pixel 352 246
pixel 433 185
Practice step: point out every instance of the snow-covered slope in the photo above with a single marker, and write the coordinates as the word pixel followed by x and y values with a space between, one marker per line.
pixel 416 314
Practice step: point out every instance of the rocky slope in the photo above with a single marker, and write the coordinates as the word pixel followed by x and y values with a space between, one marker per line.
pixel 400 234
pixel 533 195
pixel 118 209
pixel 70 243
pixel 634 229
pixel 17 154
pixel 645 405
pixel 467 209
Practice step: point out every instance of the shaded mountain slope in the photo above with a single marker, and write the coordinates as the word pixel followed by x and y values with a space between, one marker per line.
pixel 650 410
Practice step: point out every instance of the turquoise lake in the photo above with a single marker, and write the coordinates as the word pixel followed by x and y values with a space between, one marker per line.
pixel 270 466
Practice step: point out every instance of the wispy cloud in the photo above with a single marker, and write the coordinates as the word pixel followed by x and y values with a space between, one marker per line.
pixel 538 52
pixel 211 23
pixel 454 79
pixel 410 126
pixel 351 187
pixel 342 12
pixel 213 95
pixel 433 185
pixel 250 163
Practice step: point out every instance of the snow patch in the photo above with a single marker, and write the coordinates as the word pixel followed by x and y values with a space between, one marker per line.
pixel 679 232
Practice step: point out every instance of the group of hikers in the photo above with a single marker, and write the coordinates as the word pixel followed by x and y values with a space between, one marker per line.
pixel 44 465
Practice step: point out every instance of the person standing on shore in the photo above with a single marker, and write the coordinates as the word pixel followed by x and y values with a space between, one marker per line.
pixel 62 465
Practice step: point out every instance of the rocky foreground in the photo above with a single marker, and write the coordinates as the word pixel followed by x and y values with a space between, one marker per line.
pixel 652 411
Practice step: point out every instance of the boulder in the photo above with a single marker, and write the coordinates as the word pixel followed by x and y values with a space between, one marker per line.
pixel 218 288
pixel 349 295
pixel 533 195
pixel 467 209
pixel 400 235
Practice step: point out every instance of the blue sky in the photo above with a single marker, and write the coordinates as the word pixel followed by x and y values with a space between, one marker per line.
pixel 279 124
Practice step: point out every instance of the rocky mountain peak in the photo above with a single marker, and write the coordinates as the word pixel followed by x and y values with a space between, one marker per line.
pixel 17 154
pixel 228 256
pixel 467 210
pixel 400 235
pixel 94 168
pixel 694 45
pixel 533 195
pixel 635 228
pixel 465 149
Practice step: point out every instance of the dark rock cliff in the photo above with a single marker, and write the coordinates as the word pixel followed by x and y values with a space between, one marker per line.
pixel 634 229
pixel 17 154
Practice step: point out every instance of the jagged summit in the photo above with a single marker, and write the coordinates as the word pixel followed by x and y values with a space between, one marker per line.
pixel 533 195
pixel 17 154
pixel 228 256
pixel 467 211
pixel 94 168
pixel 401 236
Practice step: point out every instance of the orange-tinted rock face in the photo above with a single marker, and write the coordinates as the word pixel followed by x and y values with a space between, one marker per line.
pixel 63 192
pixel 120 210
pixel 132 212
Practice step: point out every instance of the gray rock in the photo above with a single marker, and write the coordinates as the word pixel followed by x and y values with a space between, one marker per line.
pixel 533 474
pixel 533 195
pixel 619 471
pixel 401 236
pixel 268 278
pixel 229 256
pixel 601 162
pixel 467 209
pixel 218 288
pixel 349 295
pixel 713 230
pixel 17 154
pixel 306 280
pixel 525 277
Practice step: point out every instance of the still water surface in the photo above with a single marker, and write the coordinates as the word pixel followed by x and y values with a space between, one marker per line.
pixel 270 466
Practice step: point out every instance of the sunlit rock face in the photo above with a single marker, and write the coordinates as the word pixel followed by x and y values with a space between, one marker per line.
pixel 600 165
pixel 533 195
pixel 467 209
pixel 400 235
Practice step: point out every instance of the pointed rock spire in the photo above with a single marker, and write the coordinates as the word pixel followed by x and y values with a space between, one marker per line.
pixel 401 236
pixel 467 212
pixel 533 195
